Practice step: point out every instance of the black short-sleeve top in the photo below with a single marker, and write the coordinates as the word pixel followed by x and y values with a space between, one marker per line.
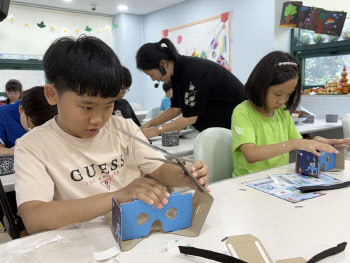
pixel 205 89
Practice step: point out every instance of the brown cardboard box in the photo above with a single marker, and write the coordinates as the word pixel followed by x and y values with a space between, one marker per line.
pixel 201 203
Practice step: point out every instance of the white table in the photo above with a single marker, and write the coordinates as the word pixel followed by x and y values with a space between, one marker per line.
pixel 8 182
pixel 284 230
pixel 319 124
pixel 184 148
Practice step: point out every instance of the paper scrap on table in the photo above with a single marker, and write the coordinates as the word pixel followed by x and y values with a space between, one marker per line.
pixel 107 254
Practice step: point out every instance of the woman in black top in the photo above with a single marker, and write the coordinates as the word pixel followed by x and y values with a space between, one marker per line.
pixel 203 91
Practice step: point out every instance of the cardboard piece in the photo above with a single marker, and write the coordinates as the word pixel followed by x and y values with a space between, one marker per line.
pixel 201 203
pixel 247 248
pixel 250 249
pixel 292 260
pixel 311 165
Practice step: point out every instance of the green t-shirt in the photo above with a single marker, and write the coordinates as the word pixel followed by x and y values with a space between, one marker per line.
pixel 250 126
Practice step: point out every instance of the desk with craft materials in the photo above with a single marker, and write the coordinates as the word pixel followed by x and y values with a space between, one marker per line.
pixel 185 147
pixel 285 229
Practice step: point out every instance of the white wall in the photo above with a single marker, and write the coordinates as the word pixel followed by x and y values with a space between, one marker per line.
pixel 252 31
pixel 128 38
pixel 326 104
pixel 16 39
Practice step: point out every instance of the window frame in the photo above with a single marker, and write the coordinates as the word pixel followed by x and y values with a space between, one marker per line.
pixel 315 50
pixel 17 64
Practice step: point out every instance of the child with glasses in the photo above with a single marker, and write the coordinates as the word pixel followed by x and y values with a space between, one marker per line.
pixel 121 106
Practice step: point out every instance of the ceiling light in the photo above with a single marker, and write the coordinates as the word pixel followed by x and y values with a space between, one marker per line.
pixel 122 7
pixel 67 0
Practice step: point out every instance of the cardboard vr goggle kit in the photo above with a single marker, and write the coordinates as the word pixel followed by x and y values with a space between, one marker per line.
pixel 309 164
pixel 183 215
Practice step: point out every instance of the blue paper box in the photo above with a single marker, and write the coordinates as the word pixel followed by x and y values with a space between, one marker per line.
pixel 311 165
pixel 183 215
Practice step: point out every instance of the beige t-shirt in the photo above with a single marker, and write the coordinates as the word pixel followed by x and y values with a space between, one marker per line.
pixel 53 165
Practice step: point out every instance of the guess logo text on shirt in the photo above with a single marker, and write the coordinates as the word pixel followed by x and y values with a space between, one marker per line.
pixel 90 171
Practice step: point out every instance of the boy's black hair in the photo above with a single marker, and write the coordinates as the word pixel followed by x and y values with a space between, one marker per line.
pixel 268 73
pixel 126 76
pixel 167 86
pixel 13 85
pixel 150 54
pixel 36 106
pixel 86 66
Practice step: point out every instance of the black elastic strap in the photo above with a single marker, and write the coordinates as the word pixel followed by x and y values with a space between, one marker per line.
pixel 315 188
pixel 209 255
pixel 327 253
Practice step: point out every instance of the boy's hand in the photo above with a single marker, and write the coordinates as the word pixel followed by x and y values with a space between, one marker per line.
pixel 199 171
pixel 335 142
pixel 313 146
pixel 146 190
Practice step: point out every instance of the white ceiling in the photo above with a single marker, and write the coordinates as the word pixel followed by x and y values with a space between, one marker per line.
pixel 106 7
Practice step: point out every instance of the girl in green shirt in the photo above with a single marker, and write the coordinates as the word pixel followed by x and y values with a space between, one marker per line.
pixel 263 132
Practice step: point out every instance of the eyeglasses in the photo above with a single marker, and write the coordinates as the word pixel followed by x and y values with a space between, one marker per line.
pixel 29 129
pixel 126 90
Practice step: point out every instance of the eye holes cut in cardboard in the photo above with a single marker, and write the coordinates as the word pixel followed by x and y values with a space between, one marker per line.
pixel 183 215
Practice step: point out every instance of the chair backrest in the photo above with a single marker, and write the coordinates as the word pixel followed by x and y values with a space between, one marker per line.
pixel 214 147
pixel 10 221
pixel 136 106
pixel 346 125
pixel 152 112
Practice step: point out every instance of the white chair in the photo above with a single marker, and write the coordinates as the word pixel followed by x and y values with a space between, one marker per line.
pixel 214 147
pixel 346 125
pixel 136 107
pixel 152 112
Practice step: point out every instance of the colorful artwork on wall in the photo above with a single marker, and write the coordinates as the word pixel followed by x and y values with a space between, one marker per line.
pixel 334 22
pixel 290 12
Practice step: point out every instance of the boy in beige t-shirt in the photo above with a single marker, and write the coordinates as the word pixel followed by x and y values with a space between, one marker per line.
pixel 69 169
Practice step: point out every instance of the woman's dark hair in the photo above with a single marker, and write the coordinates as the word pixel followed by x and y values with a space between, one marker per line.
pixel 150 54
pixel 271 71
pixel 86 66
pixel 36 106
pixel 167 86
pixel 13 85
pixel 126 77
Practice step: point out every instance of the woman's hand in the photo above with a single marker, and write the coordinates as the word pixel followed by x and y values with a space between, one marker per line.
pixel 150 132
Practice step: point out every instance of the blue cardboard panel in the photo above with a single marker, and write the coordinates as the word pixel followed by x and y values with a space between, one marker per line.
pixel 138 217
pixel 117 222
pixel 311 165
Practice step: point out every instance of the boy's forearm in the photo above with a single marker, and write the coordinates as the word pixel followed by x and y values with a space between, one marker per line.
pixel 40 216
pixel 169 175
